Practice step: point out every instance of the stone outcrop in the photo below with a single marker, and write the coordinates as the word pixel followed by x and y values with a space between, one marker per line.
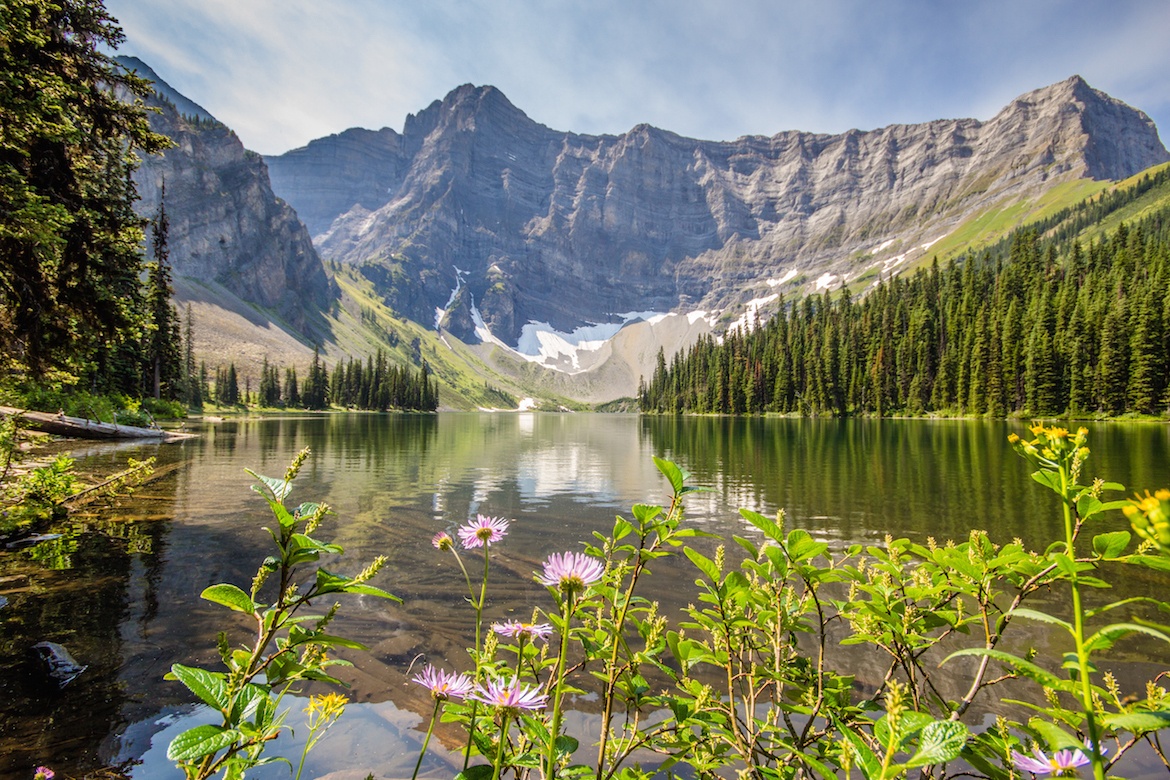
pixel 557 227
pixel 226 224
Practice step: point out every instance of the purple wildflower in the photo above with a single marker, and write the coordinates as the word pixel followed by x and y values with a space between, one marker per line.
pixel 483 531
pixel 514 628
pixel 442 541
pixel 43 773
pixel 509 696
pixel 1063 762
pixel 443 685
pixel 571 572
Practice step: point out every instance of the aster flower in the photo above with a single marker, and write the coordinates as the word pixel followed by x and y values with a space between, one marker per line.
pixel 514 629
pixel 509 696
pixel 442 541
pixel 442 684
pixel 484 531
pixel 43 773
pixel 571 572
pixel 1063 762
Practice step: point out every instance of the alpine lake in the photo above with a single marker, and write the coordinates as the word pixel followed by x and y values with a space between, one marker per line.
pixel 118 585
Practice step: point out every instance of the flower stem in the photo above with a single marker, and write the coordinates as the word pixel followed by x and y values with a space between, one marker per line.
pixel 1086 695
pixel 427 739
pixel 554 730
pixel 499 763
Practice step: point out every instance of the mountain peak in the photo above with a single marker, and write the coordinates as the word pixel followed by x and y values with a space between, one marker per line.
pixel 183 104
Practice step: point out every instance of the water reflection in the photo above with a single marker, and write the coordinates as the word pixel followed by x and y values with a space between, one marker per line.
pixel 120 589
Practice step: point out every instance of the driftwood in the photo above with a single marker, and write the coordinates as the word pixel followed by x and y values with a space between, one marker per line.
pixel 82 428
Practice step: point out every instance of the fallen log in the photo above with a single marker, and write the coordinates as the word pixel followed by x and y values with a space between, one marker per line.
pixel 81 428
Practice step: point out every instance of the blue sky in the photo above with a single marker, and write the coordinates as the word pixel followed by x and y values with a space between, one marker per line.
pixel 282 72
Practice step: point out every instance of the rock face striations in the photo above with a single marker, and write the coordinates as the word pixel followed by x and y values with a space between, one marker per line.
pixel 226 225
pixel 481 214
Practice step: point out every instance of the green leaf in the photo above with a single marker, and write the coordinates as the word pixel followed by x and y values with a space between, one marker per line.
pixel 477 772
pixel 1042 617
pixel 370 590
pixel 770 529
pixel 704 564
pixel 1111 545
pixel 909 723
pixel 277 488
pixel 942 741
pixel 673 474
pixel 1056 737
pixel 1025 668
pixel 231 597
pixel 1137 722
pixel 336 641
pixel 200 741
pixel 1049 479
pixel 253 702
pixel 210 687
pixel 1155 562
pixel 1105 638
pixel 566 745
pixel 871 768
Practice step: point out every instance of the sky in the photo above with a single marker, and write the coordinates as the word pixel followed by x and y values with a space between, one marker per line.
pixel 283 72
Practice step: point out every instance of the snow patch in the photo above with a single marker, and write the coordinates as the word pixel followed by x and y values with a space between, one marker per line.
pixel 825 280
pixel 787 277
pixel 744 323
pixel 695 316
pixel 442 312
pixel 541 340
pixel 540 343
pixel 526 405
pixel 929 244
pixel 882 245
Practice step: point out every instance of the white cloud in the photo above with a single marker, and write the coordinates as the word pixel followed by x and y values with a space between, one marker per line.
pixel 281 72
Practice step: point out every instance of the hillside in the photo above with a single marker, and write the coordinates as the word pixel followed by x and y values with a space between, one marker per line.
pixel 1067 315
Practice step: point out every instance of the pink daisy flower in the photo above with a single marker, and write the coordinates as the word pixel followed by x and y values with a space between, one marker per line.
pixel 571 572
pixel 1063 762
pixel 514 628
pixel 442 541
pixel 509 696
pixel 484 531
pixel 442 684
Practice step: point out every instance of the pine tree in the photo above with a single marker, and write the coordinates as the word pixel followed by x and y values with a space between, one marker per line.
pixel 192 383
pixel 69 238
pixel 163 350
pixel 292 395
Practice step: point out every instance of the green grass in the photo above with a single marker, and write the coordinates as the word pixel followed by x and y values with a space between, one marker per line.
pixel 466 382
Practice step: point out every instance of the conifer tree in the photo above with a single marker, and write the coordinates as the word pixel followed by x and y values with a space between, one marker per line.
pixel 70 260
pixel 163 350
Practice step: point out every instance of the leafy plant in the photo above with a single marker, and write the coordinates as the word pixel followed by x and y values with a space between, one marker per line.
pixel 289 646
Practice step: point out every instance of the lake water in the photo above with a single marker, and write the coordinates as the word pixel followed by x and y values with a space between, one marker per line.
pixel 120 588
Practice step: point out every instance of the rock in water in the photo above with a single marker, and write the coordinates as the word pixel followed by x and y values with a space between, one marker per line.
pixel 57 663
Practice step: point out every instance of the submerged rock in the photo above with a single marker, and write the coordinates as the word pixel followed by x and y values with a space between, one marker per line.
pixel 56 662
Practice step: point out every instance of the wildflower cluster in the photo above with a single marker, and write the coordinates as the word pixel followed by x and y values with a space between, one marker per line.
pixel 1150 517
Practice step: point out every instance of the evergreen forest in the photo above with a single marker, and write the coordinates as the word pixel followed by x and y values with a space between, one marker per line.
pixel 1041 324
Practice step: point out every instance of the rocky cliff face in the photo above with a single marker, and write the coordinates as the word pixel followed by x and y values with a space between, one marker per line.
pixel 530 224
pixel 226 225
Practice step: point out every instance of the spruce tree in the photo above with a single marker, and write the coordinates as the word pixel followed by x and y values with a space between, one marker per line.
pixel 70 131
pixel 163 349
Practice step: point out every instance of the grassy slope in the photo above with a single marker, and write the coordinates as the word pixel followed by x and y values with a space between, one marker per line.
pixel 997 222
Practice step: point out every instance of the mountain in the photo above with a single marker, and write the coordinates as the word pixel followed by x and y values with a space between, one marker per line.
pixel 228 230
pixel 496 228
